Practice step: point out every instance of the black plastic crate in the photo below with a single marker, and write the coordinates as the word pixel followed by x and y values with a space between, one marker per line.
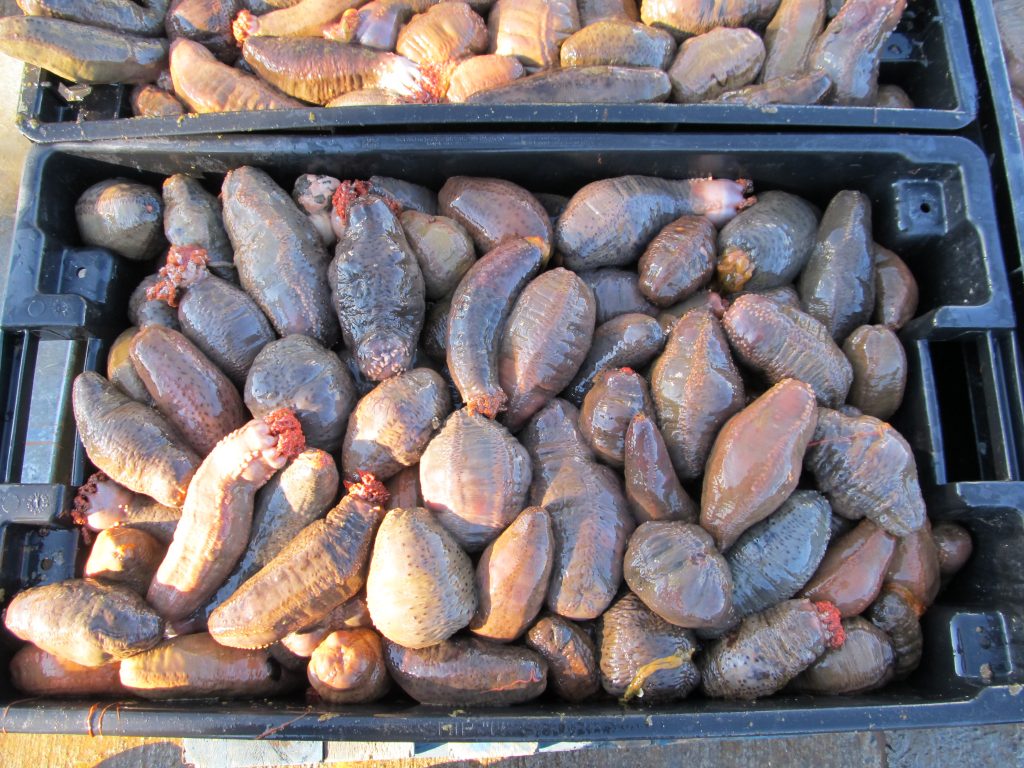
pixel 927 56
pixel 1001 134
pixel 931 202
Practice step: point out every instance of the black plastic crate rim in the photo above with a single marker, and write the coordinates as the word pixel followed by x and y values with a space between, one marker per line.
pixel 1001 130
pixel 779 716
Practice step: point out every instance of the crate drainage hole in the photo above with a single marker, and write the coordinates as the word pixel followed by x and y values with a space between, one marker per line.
pixel 82 272
pixel 925 208
pixel 921 209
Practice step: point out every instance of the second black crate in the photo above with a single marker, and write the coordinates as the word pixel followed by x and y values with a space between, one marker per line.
pixel 927 56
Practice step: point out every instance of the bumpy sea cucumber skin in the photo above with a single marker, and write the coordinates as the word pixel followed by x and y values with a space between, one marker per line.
pixel 581 85
pixel 784 342
pixel 192 217
pixel 609 222
pixel 494 211
pixel 570 654
pixel 83 53
pixel 420 588
pixel 475 476
pixel 84 621
pixel 38 673
pixel 532 30
pixel 772 560
pixel 391 426
pixel 850 48
pixel 616 292
pixel 188 389
pixel 683 18
pixel 298 373
pixel 546 339
pixel 589 516
pixel 864 663
pixel 207 85
pixel 618 42
pixel 718 61
pixel 131 442
pixel 696 388
pixel 679 260
pixel 226 324
pixel 318 70
pixel 465 671
pixel 143 311
pixel 608 408
pixel 217 516
pixel 837 285
pixel 593 11
pixel 480 307
pixel 377 290
pixel 768 244
pixel 769 649
pixel 446 32
pixel 897 613
pixel 282 263
pixel 348 667
pixel 323 567
pixel 790 36
pixel 126 556
pixel 866 468
pixel 478 74
pixel 195 666
pixel 631 340
pixel 632 639
pixel 117 214
pixel 652 485
pixel 293 498
pixel 512 577
pixel 676 570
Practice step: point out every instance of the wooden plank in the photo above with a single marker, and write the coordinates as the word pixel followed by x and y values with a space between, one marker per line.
pixel 19 750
